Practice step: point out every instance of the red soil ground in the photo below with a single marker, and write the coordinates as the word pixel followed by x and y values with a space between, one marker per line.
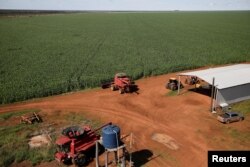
pixel 178 130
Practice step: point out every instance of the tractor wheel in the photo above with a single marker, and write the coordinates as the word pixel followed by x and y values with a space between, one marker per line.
pixel 121 91
pixel 112 87
pixel 172 87
pixel 80 159
pixel 73 161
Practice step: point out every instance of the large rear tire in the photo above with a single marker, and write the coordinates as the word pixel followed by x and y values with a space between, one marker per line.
pixel 172 87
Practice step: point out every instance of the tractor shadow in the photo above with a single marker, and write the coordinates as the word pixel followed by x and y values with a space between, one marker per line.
pixel 134 89
pixel 141 157
pixel 91 154
pixel 91 157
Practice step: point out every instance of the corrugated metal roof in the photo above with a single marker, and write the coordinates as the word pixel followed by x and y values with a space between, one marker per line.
pixel 225 77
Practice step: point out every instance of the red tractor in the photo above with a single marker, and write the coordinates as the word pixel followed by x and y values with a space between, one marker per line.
pixel 77 144
pixel 122 83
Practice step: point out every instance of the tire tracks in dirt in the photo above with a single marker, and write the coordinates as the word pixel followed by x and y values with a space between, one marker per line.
pixel 146 114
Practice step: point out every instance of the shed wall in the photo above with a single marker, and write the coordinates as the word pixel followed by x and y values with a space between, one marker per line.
pixel 234 94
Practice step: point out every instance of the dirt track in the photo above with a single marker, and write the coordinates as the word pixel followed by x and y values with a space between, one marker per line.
pixel 177 129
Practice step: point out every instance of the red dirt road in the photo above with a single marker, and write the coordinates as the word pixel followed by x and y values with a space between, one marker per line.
pixel 177 129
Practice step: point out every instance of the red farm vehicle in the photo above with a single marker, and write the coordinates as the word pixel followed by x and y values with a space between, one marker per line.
pixel 122 83
pixel 77 144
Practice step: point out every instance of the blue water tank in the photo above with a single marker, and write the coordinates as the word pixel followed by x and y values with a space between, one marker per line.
pixel 111 136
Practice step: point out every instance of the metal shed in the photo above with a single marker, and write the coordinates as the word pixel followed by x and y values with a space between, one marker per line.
pixel 232 82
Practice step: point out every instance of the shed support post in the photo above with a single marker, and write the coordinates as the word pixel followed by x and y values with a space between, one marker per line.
pixel 96 154
pixel 215 97
pixel 212 95
pixel 130 149
pixel 106 158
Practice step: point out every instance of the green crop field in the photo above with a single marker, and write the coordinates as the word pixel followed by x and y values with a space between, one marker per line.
pixel 52 54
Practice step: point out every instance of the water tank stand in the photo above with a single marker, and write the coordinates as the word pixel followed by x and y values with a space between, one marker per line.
pixel 118 159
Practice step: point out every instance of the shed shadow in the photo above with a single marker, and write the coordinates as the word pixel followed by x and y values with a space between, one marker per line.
pixel 203 91
pixel 135 89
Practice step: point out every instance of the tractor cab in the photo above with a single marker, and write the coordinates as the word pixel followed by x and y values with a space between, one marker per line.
pixel 173 80
pixel 62 147
pixel 63 144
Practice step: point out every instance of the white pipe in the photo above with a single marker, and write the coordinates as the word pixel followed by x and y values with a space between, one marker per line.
pixel 117 144
pixel 96 154
pixel 130 154
pixel 106 158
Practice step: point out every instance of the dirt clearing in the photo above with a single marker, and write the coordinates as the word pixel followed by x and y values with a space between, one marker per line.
pixel 168 130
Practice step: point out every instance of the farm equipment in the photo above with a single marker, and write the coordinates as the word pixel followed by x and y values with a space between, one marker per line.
pixel 191 80
pixel 122 83
pixel 77 144
pixel 31 118
pixel 173 84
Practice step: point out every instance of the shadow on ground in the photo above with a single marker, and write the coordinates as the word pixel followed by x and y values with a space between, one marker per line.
pixel 203 91
pixel 141 157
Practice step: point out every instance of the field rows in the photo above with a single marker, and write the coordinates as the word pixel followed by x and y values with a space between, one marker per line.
pixel 53 54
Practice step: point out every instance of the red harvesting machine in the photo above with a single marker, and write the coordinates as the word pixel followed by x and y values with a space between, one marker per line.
pixel 122 83
pixel 77 144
